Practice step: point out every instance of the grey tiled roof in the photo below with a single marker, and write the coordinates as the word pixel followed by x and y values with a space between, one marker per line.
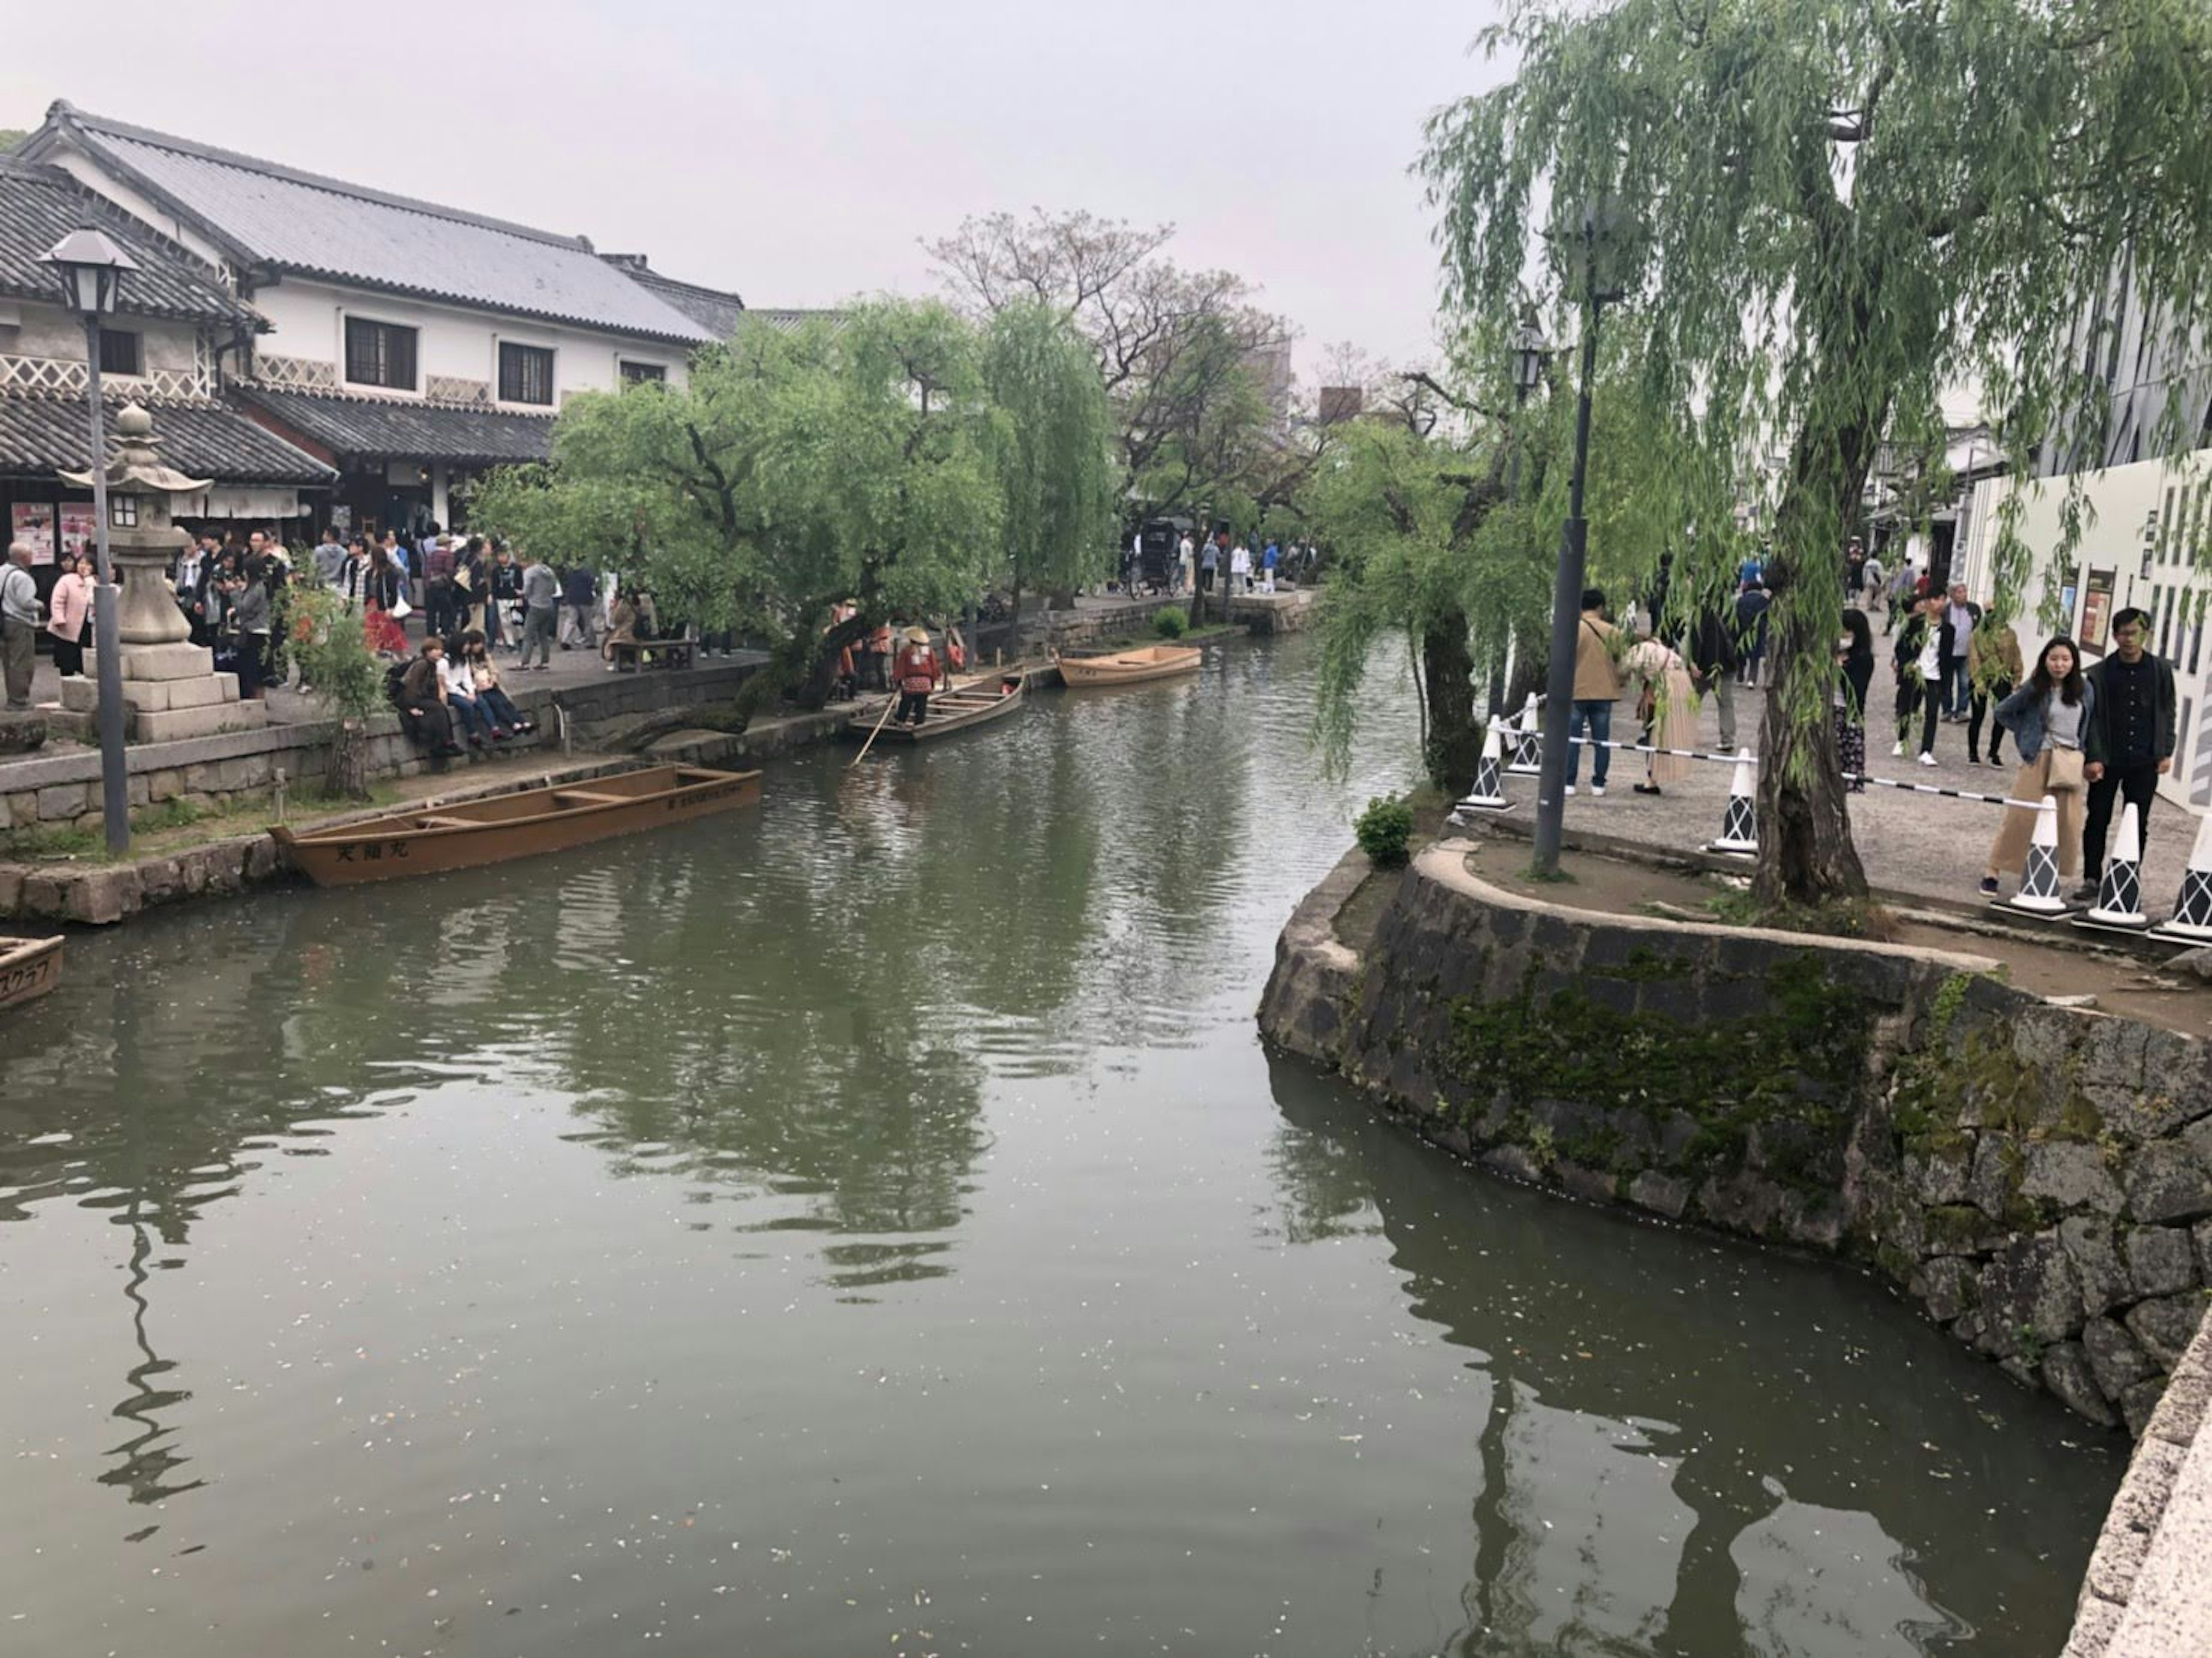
pixel 380 428
pixel 40 435
pixel 712 309
pixel 39 205
pixel 790 322
pixel 276 217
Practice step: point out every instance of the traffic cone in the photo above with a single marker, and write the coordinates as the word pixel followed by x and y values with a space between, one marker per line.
pixel 1740 824
pixel 2191 920
pixel 1527 741
pixel 2119 895
pixel 2039 886
pixel 1488 793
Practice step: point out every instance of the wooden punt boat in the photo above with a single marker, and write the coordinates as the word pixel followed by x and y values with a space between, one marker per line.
pixel 1130 667
pixel 470 833
pixel 29 967
pixel 972 703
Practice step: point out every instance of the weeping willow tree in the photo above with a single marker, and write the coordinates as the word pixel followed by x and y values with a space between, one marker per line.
pixel 1441 519
pixel 1838 208
pixel 1056 456
pixel 1426 536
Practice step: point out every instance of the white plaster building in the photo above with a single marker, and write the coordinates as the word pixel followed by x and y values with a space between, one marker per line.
pixel 2138 549
pixel 174 323
pixel 411 345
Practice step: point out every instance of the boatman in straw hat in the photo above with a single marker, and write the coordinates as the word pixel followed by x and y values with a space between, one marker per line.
pixel 918 673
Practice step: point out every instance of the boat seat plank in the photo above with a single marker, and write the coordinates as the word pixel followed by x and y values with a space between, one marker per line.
pixel 585 797
pixel 449 823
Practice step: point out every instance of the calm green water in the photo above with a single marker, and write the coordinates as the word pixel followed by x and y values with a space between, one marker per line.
pixel 871 1225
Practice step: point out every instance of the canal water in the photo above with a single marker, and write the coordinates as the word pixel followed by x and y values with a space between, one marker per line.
pixel 872 1225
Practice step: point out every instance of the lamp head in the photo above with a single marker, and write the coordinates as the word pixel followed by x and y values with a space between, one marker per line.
pixel 1529 350
pixel 88 265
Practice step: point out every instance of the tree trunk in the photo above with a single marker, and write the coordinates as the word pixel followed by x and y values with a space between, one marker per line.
pixel 1806 854
pixel 1448 680
pixel 349 761
pixel 821 678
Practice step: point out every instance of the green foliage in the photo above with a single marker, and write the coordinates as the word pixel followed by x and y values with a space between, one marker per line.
pixel 1171 622
pixel 1385 830
pixel 1423 537
pixel 1876 201
pixel 327 642
pixel 792 471
pixel 1055 450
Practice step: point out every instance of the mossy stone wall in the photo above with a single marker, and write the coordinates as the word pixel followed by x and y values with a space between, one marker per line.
pixel 2038 1178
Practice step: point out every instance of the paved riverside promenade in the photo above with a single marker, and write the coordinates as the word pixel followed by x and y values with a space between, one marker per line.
pixel 2148 1592
pixel 1918 845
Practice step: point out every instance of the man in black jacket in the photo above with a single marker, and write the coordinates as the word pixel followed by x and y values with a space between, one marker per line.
pixel 2132 745
pixel 1715 660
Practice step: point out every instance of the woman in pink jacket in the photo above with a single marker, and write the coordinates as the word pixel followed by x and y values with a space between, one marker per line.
pixel 68 612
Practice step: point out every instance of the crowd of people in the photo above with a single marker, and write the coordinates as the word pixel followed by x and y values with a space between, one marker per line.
pixel 2093 737
pixel 1194 567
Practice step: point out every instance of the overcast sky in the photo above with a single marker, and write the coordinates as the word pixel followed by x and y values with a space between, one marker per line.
pixel 797 153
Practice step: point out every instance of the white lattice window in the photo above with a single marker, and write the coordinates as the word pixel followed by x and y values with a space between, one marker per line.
pixel 454 388
pixel 293 374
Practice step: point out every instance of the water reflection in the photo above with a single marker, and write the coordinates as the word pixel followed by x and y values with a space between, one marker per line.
pixel 450 1222
pixel 1676 1456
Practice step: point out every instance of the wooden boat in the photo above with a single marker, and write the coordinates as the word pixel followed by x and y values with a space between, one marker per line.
pixel 968 703
pixel 1130 667
pixel 469 834
pixel 29 967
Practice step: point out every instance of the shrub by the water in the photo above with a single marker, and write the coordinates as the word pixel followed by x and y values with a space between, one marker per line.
pixel 1171 621
pixel 1384 830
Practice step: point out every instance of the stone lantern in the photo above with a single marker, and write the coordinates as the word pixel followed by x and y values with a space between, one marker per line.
pixel 170 687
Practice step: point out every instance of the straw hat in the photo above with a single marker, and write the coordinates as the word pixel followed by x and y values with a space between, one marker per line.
pixel 917 636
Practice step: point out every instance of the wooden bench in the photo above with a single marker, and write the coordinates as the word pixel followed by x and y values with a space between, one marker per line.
pixel 636 653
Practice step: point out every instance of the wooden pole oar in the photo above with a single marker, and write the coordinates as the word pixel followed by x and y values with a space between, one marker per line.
pixel 889 702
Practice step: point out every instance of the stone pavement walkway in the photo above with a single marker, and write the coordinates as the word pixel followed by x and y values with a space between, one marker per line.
pixel 1920 845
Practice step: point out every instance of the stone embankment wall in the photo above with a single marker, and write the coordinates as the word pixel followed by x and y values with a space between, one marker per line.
pixel 2038 1178
pixel 62 789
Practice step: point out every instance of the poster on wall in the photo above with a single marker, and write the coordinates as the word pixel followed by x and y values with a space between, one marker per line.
pixel 34 526
pixel 2097 609
pixel 77 526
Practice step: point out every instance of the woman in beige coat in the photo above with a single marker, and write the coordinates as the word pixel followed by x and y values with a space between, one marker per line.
pixel 1673 725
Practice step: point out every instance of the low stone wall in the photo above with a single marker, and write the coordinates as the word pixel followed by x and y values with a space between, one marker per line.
pixel 2038 1178
pixel 61 788
pixel 93 894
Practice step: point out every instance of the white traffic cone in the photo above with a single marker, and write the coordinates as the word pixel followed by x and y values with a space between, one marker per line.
pixel 2191 920
pixel 2039 885
pixel 1488 793
pixel 2119 895
pixel 1740 824
pixel 1527 741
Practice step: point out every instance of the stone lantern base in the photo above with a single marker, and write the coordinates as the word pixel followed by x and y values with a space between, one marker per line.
pixel 169 691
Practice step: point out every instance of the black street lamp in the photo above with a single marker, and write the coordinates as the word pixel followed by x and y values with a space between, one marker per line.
pixel 90 267
pixel 1591 278
pixel 1531 350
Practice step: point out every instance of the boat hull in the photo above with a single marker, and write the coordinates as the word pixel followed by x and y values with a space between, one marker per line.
pixel 29 967
pixel 1130 667
pixel 479 833
pixel 972 705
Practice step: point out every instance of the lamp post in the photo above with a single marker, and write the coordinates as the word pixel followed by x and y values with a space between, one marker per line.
pixel 90 267
pixel 1530 350
pixel 1593 238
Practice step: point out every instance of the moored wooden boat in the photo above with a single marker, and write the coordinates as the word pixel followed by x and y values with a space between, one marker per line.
pixel 1130 667
pixel 469 834
pixel 29 967
pixel 993 696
